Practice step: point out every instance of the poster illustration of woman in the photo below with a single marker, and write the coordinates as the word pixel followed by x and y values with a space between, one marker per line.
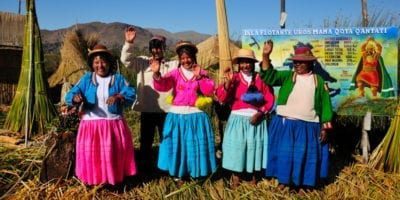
pixel 371 72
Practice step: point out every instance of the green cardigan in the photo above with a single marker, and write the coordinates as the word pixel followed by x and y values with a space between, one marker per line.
pixel 286 79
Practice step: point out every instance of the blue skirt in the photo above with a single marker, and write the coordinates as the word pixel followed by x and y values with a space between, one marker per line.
pixel 296 156
pixel 187 147
pixel 244 145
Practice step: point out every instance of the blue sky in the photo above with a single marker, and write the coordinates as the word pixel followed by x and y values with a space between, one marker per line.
pixel 198 15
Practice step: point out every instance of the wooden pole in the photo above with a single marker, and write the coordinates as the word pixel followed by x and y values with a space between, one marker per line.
pixel 364 13
pixel 19 6
pixel 283 12
pixel 225 62
pixel 367 118
pixel 31 67
pixel 225 58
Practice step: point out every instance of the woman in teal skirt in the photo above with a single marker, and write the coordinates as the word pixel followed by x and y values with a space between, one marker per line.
pixel 245 137
pixel 187 147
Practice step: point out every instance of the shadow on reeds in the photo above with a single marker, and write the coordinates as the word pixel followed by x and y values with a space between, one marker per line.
pixel 150 174
pixel 345 142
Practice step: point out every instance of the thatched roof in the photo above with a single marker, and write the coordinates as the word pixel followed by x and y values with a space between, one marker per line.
pixel 73 59
pixel 11 30
pixel 11 42
pixel 208 54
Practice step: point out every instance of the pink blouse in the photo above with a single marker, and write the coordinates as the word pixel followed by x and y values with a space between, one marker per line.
pixel 185 91
pixel 239 87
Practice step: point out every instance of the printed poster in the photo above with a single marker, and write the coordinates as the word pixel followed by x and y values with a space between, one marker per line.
pixel 360 65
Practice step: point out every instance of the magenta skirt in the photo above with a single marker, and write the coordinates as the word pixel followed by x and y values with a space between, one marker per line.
pixel 104 152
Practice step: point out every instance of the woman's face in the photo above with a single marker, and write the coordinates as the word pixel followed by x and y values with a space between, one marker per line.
pixel 302 67
pixel 186 61
pixel 101 66
pixel 157 53
pixel 370 50
pixel 246 65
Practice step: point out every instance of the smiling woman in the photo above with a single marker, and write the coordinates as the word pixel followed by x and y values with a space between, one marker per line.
pixel 302 67
pixel 297 149
pixel 100 61
pixel 187 147
pixel 245 139
pixel 104 140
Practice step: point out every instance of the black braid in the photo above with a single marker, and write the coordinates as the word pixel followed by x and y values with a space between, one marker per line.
pixel 252 87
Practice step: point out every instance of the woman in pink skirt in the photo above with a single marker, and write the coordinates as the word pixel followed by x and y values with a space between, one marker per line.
pixel 104 149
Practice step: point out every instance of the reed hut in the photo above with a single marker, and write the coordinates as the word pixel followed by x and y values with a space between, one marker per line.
pixel 11 42
pixel 208 54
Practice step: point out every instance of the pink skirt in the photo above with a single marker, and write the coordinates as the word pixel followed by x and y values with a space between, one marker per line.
pixel 104 152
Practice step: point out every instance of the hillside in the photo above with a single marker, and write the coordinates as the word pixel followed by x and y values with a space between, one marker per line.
pixel 112 35
pixel 172 38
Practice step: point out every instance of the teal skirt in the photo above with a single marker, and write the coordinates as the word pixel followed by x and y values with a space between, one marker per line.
pixel 187 147
pixel 244 146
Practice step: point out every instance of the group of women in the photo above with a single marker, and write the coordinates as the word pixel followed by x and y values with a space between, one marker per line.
pixel 290 148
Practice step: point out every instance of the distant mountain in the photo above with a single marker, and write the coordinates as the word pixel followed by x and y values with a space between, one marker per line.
pixel 172 38
pixel 112 35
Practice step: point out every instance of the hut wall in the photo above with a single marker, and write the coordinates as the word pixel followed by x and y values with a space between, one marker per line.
pixel 10 68
pixel 11 40
pixel 7 93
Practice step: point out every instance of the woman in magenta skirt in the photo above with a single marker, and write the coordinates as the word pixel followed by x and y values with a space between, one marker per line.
pixel 104 149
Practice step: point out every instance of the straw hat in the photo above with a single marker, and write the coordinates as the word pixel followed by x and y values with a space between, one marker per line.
pixel 185 44
pixel 99 48
pixel 303 53
pixel 244 53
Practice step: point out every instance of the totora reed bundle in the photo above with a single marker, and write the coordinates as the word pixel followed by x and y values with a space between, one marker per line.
pixel 387 155
pixel 31 108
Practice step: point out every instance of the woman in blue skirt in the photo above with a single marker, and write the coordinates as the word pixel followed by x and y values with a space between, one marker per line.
pixel 298 152
pixel 187 147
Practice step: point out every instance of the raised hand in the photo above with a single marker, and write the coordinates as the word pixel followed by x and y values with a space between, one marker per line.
pixel 268 47
pixel 196 71
pixel 228 76
pixel 130 34
pixel 155 67
pixel 267 50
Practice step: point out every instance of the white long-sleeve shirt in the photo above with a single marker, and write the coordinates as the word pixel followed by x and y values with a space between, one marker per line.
pixel 300 104
pixel 148 99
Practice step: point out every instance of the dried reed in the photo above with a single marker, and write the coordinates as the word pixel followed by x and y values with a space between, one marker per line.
pixel 73 57
pixel 32 88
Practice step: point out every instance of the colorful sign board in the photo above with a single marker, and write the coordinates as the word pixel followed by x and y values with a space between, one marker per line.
pixel 360 65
